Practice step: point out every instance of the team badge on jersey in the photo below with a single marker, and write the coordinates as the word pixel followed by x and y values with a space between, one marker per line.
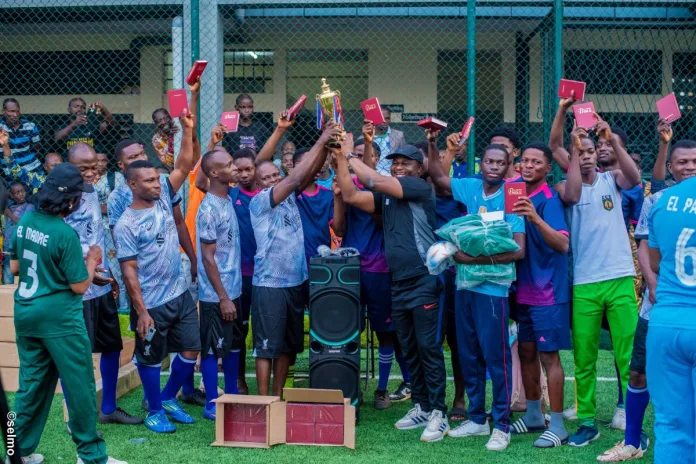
pixel 607 202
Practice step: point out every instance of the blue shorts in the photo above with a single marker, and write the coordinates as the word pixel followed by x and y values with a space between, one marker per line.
pixel 375 294
pixel 545 325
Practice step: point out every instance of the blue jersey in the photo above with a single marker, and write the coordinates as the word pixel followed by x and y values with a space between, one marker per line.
pixel 216 222
pixel 149 237
pixel 316 211
pixel 122 197
pixel 459 170
pixel 446 209
pixel 542 276
pixel 280 257
pixel 366 236
pixel 631 204
pixel 241 200
pixel 87 222
pixel 672 230
pixel 469 191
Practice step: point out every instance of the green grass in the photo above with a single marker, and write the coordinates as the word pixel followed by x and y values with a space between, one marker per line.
pixel 377 441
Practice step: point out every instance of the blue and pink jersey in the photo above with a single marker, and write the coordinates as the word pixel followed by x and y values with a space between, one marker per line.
pixel 446 209
pixel 316 212
pixel 241 199
pixel 363 234
pixel 542 276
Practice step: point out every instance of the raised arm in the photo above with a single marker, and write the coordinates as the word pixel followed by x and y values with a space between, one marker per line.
pixel 452 149
pixel 368 133
pixel 193 104
pixel 659 173
pixel 349 192
pixel 571 189
pixel 184 162
pixel 440 178
pixel 109 120
pixel 339 217
pixel 628 175
pixel 560 155
pixel 269 148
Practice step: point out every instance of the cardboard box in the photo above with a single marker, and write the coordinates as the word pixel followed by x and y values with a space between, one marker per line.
pixel 334 415
pixel 263 425
pixel 7 330
pixel 7 300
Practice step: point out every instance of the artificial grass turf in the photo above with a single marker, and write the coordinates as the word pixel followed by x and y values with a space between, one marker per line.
pixel 377 441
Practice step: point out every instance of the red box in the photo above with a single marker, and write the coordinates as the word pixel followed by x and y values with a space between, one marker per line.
pixel 513 192
pixel 329 434
pixel 235 431
pixel 329 414
pixel 300 413
pixel 301 433
pixel 255 413
pixel 255 432
pixel 234 413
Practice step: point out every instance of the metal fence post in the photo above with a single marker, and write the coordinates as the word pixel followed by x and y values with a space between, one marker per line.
pixel 195 50
pixel 471 79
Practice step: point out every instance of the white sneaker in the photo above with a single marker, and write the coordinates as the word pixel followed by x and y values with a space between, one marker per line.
pixel 31 459
pixel 470 429
pixel 110 460
pixel 499 440
pixel 570 413
pixel 620 452
pixel 413 419
pixel 618 422
pixel 437 427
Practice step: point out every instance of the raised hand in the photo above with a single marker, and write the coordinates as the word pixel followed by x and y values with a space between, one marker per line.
pixel 284 122
pixel 368 131
pixel 187 119
pixel 602 128
pixel 568 102
pixel 664 131
pixel 431 135
pixel 453 142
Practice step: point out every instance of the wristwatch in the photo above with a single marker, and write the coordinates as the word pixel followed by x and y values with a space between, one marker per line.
pixel 351 155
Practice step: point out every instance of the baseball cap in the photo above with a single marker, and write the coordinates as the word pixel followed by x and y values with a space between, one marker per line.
pixel 408 151
pixel 65 178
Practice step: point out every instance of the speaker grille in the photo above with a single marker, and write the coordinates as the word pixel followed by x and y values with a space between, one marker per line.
pixel 335 374
pixel 334 316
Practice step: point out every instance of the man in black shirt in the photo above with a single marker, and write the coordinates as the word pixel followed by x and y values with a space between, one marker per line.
pixel 84 124
pixel 250 134
pixel 407 205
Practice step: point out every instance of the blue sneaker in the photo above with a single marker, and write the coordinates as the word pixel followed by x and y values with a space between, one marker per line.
pixel 644 441
pixel 173 410
pixel 209 413
pixel 159 423
pixel 583 436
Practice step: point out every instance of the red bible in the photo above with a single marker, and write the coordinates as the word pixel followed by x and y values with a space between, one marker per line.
pixel 433 124
pixel 566 86
pixel 297 106
pixel 196 71
pixel 513 192
pixel 466 130
pixel 584 115
pixel 372 111
pixel 668 108
pixel 178 102
pixel 230 120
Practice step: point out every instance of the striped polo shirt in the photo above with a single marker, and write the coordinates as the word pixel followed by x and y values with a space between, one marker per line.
pixel 23 140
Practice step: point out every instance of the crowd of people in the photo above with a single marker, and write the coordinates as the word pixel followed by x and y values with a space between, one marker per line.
pixel 255 225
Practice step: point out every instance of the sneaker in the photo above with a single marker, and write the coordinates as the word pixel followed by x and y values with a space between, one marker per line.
pixel 110 460
pixel 382 400
pixel 402 393
pixel 437 427
pixel 31 459
pixel 159 422
pixel 413 419
pixel 583 436
pixel 470 429
pixel 620 452
pixel 644 441
pixel 499 440
pixel 119 416
pixel 197 398
pixel 209 413
pixel 173 410
pixel 145 404
pixel 618 422
pixel 571 413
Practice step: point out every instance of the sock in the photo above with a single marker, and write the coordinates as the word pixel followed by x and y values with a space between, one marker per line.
pixel 534 417
pixel 230 366
pixel 637 400
pixel 108 366
pixel 150 377
pixel 556 425
pixel 620 401
pixel 209 370
pixel 403 366
pixel 386 356
pixel 181 369
pixel 290 379
pixel 188 387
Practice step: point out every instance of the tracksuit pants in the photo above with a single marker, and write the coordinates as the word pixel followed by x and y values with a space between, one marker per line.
pixel 483 342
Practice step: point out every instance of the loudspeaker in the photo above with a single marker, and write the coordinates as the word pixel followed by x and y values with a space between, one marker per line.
pixel 335 321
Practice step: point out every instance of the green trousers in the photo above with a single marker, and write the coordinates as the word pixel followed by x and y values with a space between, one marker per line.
pixel 616 298
pixel 42 360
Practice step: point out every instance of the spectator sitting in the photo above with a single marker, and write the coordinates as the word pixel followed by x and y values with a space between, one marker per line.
pixel 163 139
pixel 23 143
pixel 12 216
pixel 51 161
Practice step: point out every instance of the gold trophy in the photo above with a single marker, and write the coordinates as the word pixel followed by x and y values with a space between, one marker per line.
pixel 329 108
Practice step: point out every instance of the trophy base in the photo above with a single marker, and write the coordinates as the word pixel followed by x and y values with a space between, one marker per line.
pixel 336 141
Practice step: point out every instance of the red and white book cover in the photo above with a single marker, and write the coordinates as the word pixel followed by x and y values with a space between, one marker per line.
pixel 513 192
pixel 230 120
pixel 297 106
pixel 372 111
pixel 668 108
pixel 566 86
pixel 178 102
pixel 585 115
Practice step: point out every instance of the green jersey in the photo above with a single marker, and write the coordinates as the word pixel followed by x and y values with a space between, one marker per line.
pixel 50 259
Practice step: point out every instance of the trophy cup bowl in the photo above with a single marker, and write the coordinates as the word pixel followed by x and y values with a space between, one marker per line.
pixel 327 101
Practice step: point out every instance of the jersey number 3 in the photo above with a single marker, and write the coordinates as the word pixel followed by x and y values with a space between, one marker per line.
pixel 682 253
pixel 24 290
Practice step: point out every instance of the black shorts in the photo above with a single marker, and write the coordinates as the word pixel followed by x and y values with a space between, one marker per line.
pixel 244 308
pixel 101 321
pixel 639 351
pixel 177 330
pixel 219 337
pixel 278 315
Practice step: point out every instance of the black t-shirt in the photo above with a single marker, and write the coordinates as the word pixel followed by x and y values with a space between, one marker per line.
pixel 88 133
pixel 254 137
pixel 409 225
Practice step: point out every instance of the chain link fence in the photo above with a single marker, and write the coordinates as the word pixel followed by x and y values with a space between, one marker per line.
pixel 499 61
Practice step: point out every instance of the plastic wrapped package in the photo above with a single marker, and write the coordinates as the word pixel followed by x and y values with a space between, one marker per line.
pixel 329 434
pixel 234 413
pixel 297 432
pixel 330 414
pixel 300 413
pixel 439 257
pixel 235 431
pixel 255 413
pixel 255 432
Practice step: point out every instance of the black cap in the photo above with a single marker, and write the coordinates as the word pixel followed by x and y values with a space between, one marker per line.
pixel 408 151
pixel 65 178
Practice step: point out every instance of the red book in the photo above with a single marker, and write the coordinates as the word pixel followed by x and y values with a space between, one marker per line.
pixel 329 434
pixel 565 87
pixel 329 414
pixel 230 120
pixel 235 431
pixel 297 106
pixel 513 192
pixel 255 413
pixel 234 412
pixel 299 433
pixel 255 432
pixel 466 130
pixel 372 111
pixel 668 108
pixel 584 115
pixel 196 71
pixel 300 412
pixel 433 124
pixel 178 102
